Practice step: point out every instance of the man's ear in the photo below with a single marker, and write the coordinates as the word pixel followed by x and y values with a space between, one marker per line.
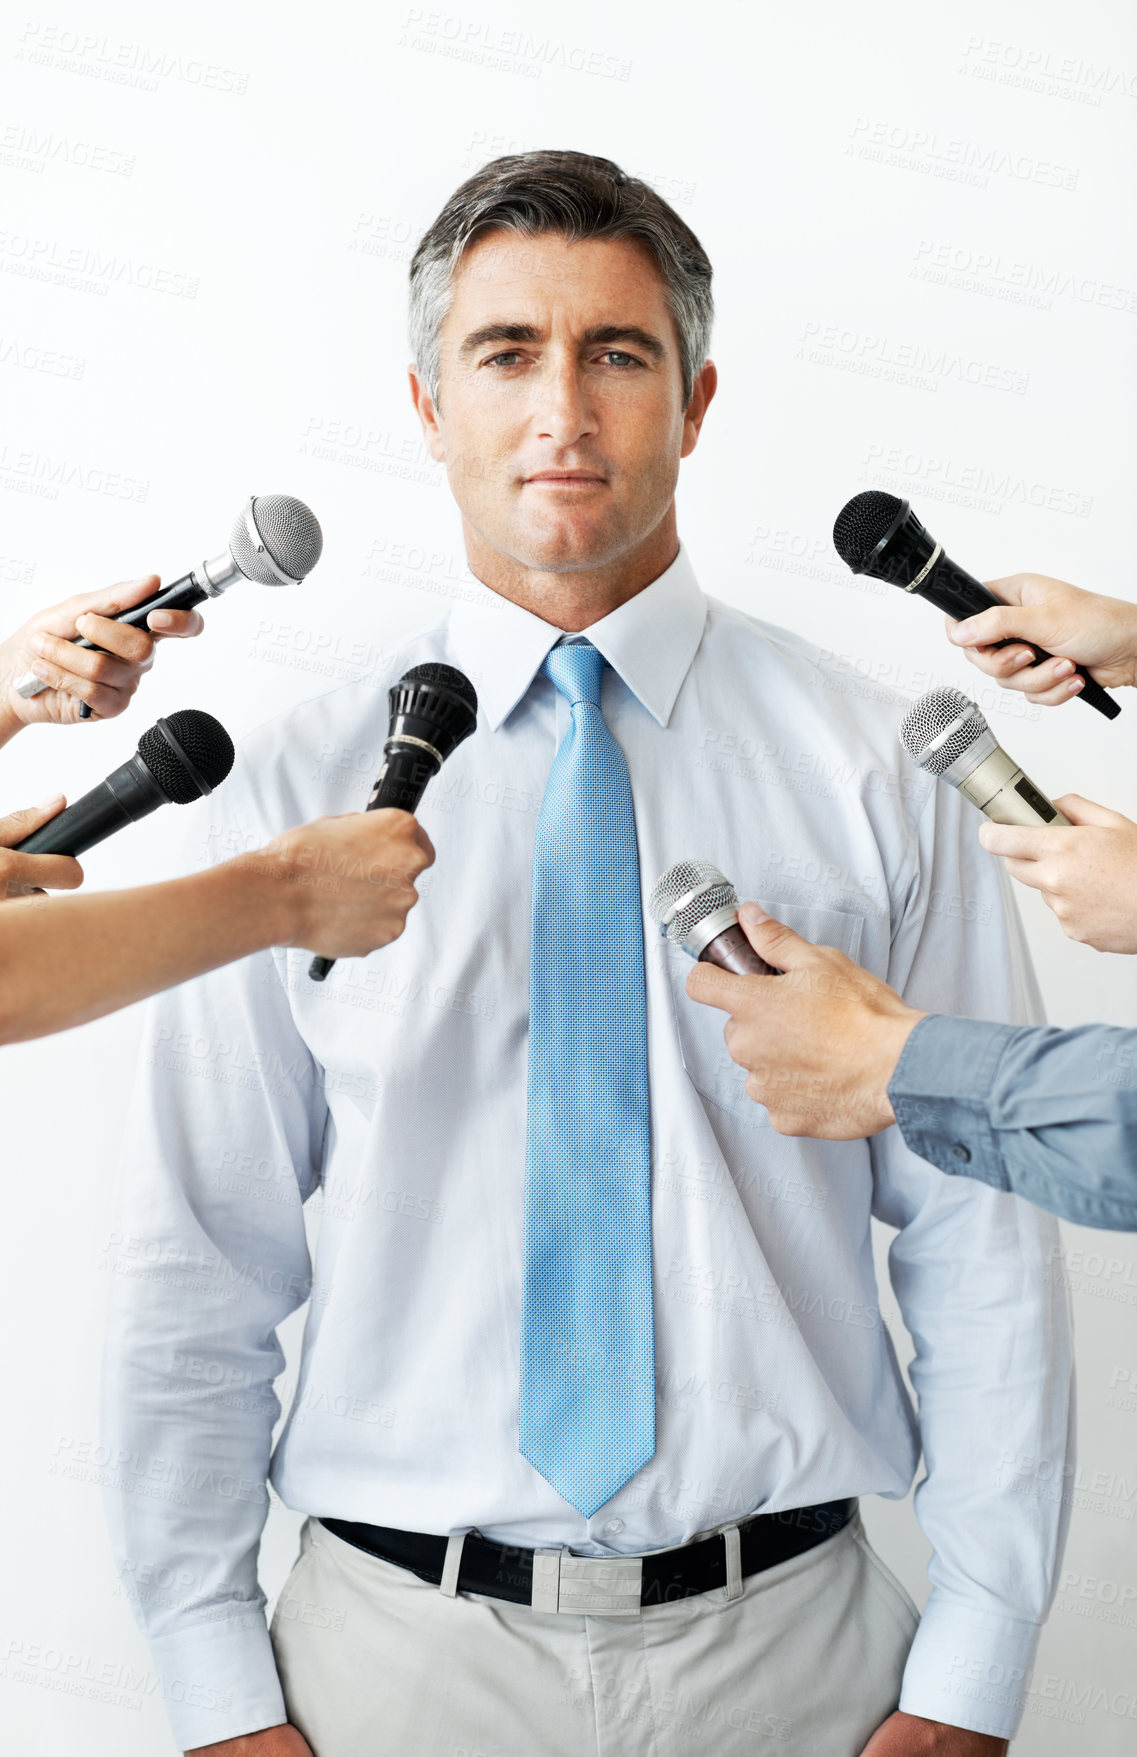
pixel 706 383
pixel 427 413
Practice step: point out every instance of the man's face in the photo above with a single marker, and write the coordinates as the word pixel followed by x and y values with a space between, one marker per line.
pixel 560 414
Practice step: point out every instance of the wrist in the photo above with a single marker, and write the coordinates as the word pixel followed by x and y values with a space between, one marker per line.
pixel 888 1046
pixel 266 885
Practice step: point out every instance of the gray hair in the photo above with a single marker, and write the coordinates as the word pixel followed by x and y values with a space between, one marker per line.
pixel 579 197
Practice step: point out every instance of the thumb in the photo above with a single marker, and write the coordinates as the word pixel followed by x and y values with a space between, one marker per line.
pixel 772 940
pixel 1002 622
pixel 1084 811
pixel 19 824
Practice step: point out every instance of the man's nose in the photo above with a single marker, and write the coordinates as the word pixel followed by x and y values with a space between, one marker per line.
pixel 565 410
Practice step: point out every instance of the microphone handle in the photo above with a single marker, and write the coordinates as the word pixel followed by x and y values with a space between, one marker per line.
pixel 401 783
pixel 959 594
pixel 731 950
pixel 125 797
pixel 182 595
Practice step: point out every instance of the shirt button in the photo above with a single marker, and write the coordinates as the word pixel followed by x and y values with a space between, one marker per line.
pixel 614 1527
pixel 960 1152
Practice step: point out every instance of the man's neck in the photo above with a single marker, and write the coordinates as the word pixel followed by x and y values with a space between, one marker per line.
pixel 573 599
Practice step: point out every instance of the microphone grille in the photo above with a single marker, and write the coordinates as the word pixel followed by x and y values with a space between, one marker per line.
pixel 289 530
pixel 861 523
pixel 930 717
pixel 701 889
pixel 447 677
pixel 205 742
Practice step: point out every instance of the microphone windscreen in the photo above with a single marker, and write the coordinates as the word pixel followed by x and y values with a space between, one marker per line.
pixel 861 523
pixel 686 894
pixel 289 531
pixel 205 742
pixel 924 725
pixel 446 677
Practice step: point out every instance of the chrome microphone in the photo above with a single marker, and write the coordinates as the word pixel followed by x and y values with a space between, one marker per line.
pixel 696 907
pixel 275 540
pixel 947 735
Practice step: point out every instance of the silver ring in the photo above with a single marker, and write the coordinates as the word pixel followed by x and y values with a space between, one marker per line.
pixel 927 567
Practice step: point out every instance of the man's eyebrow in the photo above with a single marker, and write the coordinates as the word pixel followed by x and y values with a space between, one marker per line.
pixel 528 332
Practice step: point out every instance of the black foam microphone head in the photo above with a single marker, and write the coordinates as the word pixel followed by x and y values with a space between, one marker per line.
pixel 862 523
pixel 436 704
pixel 189 754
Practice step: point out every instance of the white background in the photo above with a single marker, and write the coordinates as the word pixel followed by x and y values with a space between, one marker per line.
pixel 920 225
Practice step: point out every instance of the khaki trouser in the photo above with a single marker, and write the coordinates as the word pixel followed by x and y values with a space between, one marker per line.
pixel 377 1663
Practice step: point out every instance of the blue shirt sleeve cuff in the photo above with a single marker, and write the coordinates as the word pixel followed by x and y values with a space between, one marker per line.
pixel 940 1094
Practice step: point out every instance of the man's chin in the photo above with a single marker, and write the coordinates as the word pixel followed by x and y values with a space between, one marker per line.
pixel 570 547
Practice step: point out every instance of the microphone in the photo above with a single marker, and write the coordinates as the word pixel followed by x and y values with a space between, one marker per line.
pixel 947 735
pixel 179 759
pixel 432 709
pixel 697 908
pixel 274 541
pixel 881 536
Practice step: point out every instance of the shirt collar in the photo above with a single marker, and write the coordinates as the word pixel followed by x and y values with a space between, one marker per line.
pixel 650 642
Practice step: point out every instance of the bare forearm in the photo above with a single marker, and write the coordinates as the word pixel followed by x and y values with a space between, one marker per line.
pixel 66 960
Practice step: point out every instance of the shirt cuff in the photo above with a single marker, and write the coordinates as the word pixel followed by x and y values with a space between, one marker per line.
pixel 969 1668
pixel 940 1094
pixel 218 1680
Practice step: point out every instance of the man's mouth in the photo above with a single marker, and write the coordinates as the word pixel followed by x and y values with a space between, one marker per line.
pixel 565 479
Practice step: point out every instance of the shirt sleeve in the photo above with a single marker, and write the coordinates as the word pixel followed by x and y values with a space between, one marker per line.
pixel 208 1254
pixel 1049 1114
pixel 972 1270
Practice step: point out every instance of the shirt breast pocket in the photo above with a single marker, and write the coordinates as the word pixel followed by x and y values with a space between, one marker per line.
pixel 717 1079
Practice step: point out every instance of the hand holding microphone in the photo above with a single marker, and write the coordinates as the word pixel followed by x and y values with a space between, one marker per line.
pixel 820 1043
pixel 878 535
pixel 47 676
pixel 27 875
pixel 1097 632
pixel 275 540
pixel 1082 857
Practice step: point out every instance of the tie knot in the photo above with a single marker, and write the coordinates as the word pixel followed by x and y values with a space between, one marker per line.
pixel 576 671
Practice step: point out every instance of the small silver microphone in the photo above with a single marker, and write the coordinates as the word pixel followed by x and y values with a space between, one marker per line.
pixel 696 907
pixel 947 735
pixel 275 540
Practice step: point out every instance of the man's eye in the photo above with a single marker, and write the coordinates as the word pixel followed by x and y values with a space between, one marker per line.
pixel 619 357
pixel 509 358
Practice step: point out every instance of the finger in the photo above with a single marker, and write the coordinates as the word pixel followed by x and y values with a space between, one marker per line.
pixel 22 873
pixel 104 700
pixel 175 624
pixel 1027 872
pixel 1054 697
pixel 778 944
pixel 1084 811
pixel 60 619
pixel 18 824
pixel 712 986
pixel 84 662
pixel 1015 843
pixel 133 645
pixel 997 624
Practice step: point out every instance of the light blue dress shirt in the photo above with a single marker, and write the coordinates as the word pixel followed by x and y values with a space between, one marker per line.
pixel 391 1101
pixel 1049 1114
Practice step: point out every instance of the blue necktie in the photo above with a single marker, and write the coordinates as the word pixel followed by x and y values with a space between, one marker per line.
pixel 587 1411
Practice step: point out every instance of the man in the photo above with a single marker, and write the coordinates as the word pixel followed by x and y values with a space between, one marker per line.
pixel 575 1317
pixel 831 1051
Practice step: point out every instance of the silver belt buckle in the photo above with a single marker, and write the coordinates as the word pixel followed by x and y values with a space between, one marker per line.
pixel 587 1586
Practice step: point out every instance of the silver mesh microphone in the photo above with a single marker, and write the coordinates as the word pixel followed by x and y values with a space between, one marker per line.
pixel 696 907
pixel 947 735
pixel 274 541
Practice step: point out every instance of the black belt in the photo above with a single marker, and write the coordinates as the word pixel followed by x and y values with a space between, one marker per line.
pixel 504 1571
